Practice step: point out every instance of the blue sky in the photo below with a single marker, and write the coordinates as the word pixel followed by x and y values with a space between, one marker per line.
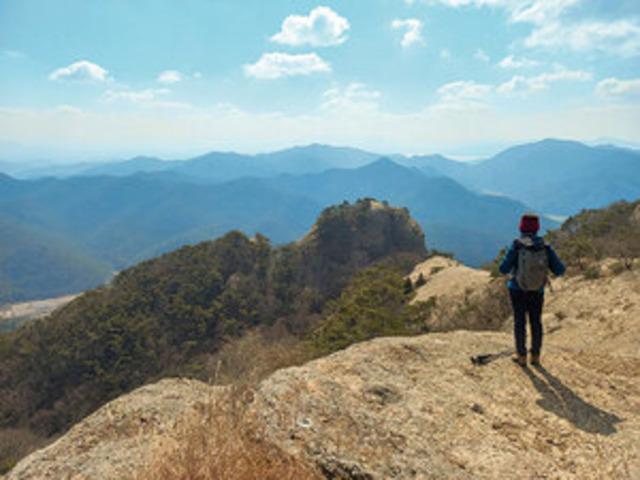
pixel 113 78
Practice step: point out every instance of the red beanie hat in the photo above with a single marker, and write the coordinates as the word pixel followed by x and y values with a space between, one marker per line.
pixel 529 223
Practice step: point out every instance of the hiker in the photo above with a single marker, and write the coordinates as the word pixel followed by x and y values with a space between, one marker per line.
pixel 528 260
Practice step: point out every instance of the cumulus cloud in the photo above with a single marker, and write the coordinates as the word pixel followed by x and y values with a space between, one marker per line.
pixel 621 37
pixel 170 76
pixel 82 71
pixel 412 28
pixel 276 65
pixel 321 28
pixel 614 87
pixel 520 84
pixel 512 63
pixel 565 24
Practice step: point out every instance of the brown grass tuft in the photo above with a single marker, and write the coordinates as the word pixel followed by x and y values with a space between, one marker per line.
pixel 254 356
pixel 225 443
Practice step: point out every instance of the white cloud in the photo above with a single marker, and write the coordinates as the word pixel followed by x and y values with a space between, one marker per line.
pixel 461 96
pixel 621 37
pixel 354 96
pixel 82 71
pixel 613 87
pixel 412 28
pixel 531 11
pixel 135 96
pixel 276 65
pixel 556 27
pixel 520 84
pixel 170 76
pixel 149 98
pixel 464 90
pixel 321 28
pixel 481 55
pixel 540 12
pixel 512 63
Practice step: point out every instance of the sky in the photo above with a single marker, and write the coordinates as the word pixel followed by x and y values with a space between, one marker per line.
pixel 97 79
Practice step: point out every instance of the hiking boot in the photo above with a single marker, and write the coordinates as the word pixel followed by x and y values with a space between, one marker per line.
pixel 535 360
pixel 520 360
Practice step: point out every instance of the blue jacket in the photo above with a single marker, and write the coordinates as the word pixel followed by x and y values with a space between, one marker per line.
pixel 510 262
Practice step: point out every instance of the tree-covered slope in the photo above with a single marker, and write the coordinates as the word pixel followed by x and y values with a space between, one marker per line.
pixel 162 315
pixel 592 235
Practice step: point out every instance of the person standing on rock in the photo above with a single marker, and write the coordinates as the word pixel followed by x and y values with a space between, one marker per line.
pixel 528 260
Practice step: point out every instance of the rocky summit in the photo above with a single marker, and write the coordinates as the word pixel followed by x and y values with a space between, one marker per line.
pixel 415 407
pixel 418 408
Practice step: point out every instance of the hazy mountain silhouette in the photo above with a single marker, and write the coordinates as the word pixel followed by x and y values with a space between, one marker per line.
pixel 554 176
pixel 122 220
pixel 472 225
pixel 36 264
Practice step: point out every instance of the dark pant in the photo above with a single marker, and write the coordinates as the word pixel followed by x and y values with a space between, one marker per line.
pixel 527 303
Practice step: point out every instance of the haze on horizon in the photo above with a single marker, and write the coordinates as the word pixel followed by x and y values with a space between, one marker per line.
pixel 85 79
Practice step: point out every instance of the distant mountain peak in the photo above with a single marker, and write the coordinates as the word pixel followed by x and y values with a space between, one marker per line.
pixel 383 163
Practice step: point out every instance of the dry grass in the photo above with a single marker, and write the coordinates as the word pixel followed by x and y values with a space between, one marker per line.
pixel 254 356
pixel 225 443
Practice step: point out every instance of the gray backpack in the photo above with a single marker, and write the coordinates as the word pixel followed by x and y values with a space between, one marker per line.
pixel 533 265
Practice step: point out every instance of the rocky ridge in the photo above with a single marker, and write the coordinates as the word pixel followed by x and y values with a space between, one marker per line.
pixel 417 407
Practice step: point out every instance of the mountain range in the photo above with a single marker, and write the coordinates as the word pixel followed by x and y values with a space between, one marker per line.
pixel 556 177
pixel 117 214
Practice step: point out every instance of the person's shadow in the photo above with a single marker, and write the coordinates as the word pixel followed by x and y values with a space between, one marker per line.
pixel 557 398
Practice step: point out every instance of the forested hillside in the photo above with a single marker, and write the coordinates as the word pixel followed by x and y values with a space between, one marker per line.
pixel 592 235
pixel 166 315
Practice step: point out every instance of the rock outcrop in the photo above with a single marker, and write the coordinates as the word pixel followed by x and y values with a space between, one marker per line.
pixel 417 407
pixel 119 439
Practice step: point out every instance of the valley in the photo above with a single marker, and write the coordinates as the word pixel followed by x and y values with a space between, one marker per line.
pixel 95 220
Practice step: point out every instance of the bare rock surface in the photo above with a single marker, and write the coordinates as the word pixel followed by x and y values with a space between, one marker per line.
pixel 447 278
pixel 418 408
pixel 452 286
pixel 599 316
pixel 120 438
